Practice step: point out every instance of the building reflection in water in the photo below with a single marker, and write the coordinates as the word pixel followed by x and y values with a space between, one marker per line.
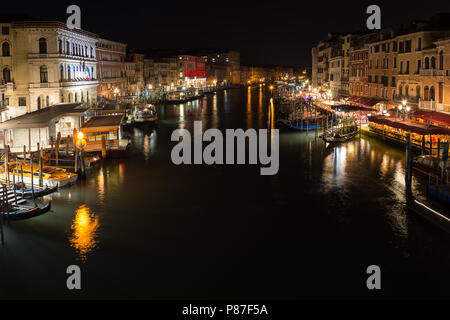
pixel 340 175
pixel 181 122
pixel 101 186
pixel 271 117
pixel 84 232
pixel 260 108
pixel 249 108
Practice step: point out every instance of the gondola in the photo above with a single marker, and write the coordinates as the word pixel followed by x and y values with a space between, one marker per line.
pixel 22 213
pixel 28 194
pixel 337 137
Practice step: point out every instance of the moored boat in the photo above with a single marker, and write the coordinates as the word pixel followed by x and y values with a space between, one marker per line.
pixel 23 212
pixel 338 137
pixel 145 115
pixel 51 176
pixel 27 193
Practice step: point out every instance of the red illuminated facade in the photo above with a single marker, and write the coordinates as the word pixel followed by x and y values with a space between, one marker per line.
pixel 192 70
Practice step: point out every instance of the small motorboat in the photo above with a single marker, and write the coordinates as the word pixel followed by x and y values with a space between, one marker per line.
pixel 145 116
pixel 51 176
pixel 23 212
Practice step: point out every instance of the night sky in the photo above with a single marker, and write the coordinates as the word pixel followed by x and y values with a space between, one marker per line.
pixel 275 32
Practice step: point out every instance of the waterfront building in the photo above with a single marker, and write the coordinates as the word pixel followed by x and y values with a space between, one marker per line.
pixel 99 127
pixel 134 70
pixel 191 71
pixel 111 73
pixel 40 125
pixel 358 66
pixel 335 71
pixel 45 63
pixel 224 67
pixel 321 54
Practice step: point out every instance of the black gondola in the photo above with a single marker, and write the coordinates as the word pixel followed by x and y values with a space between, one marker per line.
pixel 28 194
pixel 22 213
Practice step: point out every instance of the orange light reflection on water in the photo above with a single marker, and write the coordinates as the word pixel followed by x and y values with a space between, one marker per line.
pixel 84 228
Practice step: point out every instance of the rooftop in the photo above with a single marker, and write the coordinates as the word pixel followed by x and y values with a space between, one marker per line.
pixel 41 118
pixel 103 121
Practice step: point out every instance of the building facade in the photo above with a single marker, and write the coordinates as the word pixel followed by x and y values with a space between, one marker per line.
pixel 44 63
pixel 111 73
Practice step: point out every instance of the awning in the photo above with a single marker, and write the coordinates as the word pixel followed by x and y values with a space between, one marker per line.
pixel 350 107
pixel 433 116
pixel 41 118
pixel 410 126
pixel 367 102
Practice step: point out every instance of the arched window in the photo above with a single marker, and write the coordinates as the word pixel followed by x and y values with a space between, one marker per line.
pixel 6 49
pixel 426 94
pixel 67 47
pixel 407 91
pixel 76 96
pixel 427 63
pixel 432 94
pixel 70 97
pixel 42 46
pixel 6 75
pixel 433 63
pixel 39 103
pixel 441 60
pixel 400 90
pixel 44 74
pixel 92 52
pixel 47 101
pixel 69 75
pixel 418 92
pixel 60 46
pixel 61 73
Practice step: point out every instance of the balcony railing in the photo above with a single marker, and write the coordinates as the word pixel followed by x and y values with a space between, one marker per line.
pixel 59 55
pixel 428 72
pixel 428 105
pixel 408 99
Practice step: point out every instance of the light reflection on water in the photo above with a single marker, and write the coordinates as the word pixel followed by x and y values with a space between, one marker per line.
pixel 84 232
pixel 349 166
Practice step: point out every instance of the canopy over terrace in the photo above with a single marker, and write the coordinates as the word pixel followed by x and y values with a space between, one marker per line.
pixel 363 101
pixel 410 126
pixel 432 117
pixel 351 108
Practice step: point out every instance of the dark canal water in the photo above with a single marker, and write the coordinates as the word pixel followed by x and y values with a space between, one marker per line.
pixel 144 228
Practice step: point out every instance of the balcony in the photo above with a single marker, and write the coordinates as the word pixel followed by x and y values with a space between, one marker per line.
pixel 428 72
pixel 112 79
pixel 66 83
pixel 428 105
pixel 36 56
pixel 408 99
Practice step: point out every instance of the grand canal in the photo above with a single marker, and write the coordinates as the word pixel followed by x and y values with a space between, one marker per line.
pixel 142 227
